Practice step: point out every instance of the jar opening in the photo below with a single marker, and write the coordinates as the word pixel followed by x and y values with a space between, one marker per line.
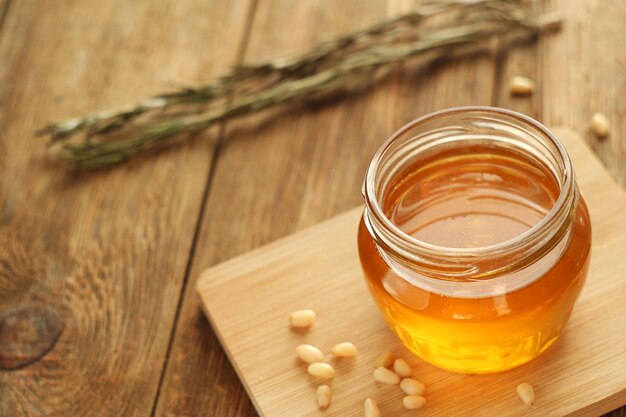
pixel 470 194
pixel 445 151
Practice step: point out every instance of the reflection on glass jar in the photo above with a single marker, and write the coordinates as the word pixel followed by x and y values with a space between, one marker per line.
pixel 475 240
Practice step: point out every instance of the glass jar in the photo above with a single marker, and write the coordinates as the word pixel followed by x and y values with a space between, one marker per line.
pixel 475 240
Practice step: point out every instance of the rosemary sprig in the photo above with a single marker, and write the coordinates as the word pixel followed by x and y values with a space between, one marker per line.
pixel 345 63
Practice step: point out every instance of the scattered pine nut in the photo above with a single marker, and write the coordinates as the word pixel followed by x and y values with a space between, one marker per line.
pixel 309 353
pixel 385 360
pixel 412 386
pixel 302 318
pixel 321 370
pixel 324 396
pixel 526 393
pixel 386 376
pixel 344 350
pixel 600 125
pixel 521 86
pixel 413 402
pixel 370 409
pixel 401 368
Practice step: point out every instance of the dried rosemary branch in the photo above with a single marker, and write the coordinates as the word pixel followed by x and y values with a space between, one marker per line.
pixel 346 63
pixel 305 64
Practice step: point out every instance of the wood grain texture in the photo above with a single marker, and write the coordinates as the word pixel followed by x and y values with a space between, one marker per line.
pixel 27 334
pixel 250 297
pixel 107 253
pixel 583 71
pixel 579 71
pixel 104 253
pixel 285 170
pixel 4 9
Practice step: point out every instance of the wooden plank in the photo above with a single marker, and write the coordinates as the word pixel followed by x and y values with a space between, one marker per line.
pixel 92 265
pixel 571 85
pixel 318 268
pixel 285 170
pixel 578 71
pixel 520 61
pixel 584 71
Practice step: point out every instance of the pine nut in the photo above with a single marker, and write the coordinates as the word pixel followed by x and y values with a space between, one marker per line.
pixel 386 376
pixel 526 393
pixel 302 318
pixel 521 86
pixel 413 402
pixel 321 370
pixel 309 353
pixel 385 360
pixel 600 125
pixel 412 386
pixel 324 396
pixel 370 408
pixel 344 350
pixel 401 368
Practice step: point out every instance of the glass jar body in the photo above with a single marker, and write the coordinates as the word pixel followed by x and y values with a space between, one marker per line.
pixel 480 335
pixel 475 241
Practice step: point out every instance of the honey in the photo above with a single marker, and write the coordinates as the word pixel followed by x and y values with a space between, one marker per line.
pixel 476 197
pixel 474 249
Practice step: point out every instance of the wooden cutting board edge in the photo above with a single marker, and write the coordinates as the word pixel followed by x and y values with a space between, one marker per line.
pixel 214 273
pixel 229 354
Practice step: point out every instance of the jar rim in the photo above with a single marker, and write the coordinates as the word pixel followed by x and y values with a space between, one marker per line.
pixel 564 201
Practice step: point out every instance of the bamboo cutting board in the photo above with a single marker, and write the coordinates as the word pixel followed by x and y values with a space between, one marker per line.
pixel 249 298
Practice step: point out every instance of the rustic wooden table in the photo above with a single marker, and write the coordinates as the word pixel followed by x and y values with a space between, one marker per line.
pixel 111 257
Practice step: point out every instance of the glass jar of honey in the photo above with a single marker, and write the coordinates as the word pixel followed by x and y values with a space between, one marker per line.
pixel 475 240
